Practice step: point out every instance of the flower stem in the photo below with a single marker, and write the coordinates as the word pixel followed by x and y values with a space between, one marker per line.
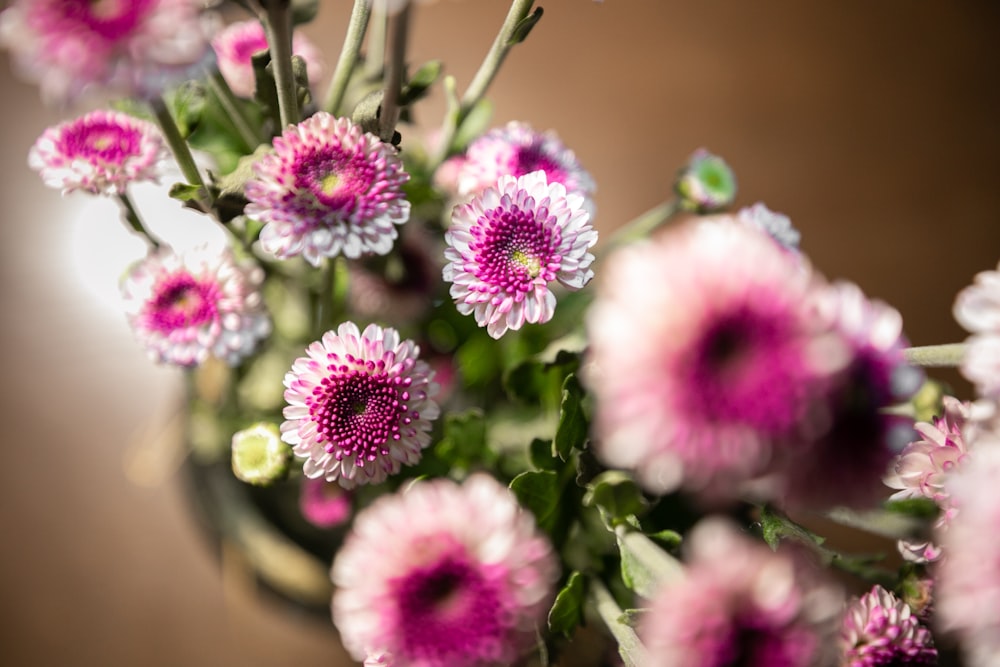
pixel 629 646
pixel 375 53
pixel 232 107
pixel 935 356
pixel 131 216
pixel 648 565
pixel 642 226
pixel 277 20
pixel 348 55
pixel 180 149
pixel 394 64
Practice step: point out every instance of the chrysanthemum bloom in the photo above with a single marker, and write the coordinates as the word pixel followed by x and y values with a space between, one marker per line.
pixel 777 226
pixel 880 630
pixel 185 307
pixel 706 358
pixel 443 575
pixel 128 45
pixel 846 465
pixel 100 153
pixel 977 308
pixel 259 455
pixel 238 42
pixel 328 188
pixel 706 183
pixel 922 469
pixel 507 245
pixel 968 585
pixel 324 504
pixel 360 405
pixel 740 603
pixel 517 150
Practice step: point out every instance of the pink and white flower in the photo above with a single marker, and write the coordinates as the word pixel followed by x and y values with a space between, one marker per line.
pixel 443 575
pixel 101 153
pixel 131 46
pixel 509 244
pixel 741 603
pixel 706 358
pixel 185 307
pixel 360 405
pixel 329 188
pixel 776 225
pixel 236 44
pixel 977 308
pixel 879 629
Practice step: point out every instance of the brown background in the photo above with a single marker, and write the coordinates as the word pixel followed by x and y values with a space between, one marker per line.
pixel 875 124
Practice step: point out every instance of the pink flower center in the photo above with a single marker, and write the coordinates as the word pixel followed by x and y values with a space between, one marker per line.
pixel 357 412
pixel 182 302
pixel 247 45
pixel 448 613
pixel 531 158
pixel 111 19
pixel 100 140
pixel 337 179
pixel 513 248
pixel 751 643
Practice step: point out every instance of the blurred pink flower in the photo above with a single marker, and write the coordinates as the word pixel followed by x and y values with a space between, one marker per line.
pixel 324 504
pixel 977 308
pixel 236 44
pixel 879 630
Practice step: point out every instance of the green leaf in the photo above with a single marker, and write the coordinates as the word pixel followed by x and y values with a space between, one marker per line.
pixel 567 611
pixel 539 491
pixel 464 443
pixel 645 566
pixel 366 111
pixel 187 104
pixel 670 539
pixel 184 192
pixel 617 495
pixel 522 29
pixel 474 123
pixel 536 381
pixel 918 508
pixel 571 433
pixel 420 83
pixel 540 453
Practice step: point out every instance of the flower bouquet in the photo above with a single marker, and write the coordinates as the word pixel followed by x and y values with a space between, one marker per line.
pixel 412 359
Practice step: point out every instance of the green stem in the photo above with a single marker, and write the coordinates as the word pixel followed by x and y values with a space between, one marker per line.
pixel 649 566
pixel 234 111
pixel 180 149
pixel 131 216
pixel 629 646
pixel 277 21
pixel 326 309
pixel 375 52
pixel 936 356
pixel 394 63
pixel 502 45
pixel 348 55
pixel 642 226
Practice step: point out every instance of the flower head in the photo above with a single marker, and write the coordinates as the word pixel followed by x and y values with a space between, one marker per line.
pixel 879 629
pixel 777 226
pixel 977 308
pixel 185 307
pixel 238 42
pixel 741 604
pixel 507 245
pixel 463 581
pixel 329 188
pixel 706 359
pixel 324 504
pixel 517 150
pixel 259 455
pixel 706 183
pixel 100 153
pixel 133 46
pixel 360 404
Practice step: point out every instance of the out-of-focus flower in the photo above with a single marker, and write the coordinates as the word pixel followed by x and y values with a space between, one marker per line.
pixel 259 456
pixel 185 307
pixel 706 358
pixel 130 46
pixel 742 604
pixel 777 226
pixel 443 575
pixel 879 630
pixel 100 153
pixel 846 465
pixel 923 467
pixel 329 188
pixel 977 308
pixel 509 243
pixel 238 42
pixel 706 183
pixel 516 150
pixel 968 584
pixel 360 405
pixel 324 504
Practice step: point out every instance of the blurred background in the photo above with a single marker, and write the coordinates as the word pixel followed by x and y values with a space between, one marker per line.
pixel 874 125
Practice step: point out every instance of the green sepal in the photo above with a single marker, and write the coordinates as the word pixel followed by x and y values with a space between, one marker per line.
pixel 524 27
pixel 571 432
pixel 617 496
pixel 567 610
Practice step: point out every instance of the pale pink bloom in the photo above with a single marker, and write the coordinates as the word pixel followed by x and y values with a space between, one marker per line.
pixel 517 150
pixel 509 244
pixel 879 629
pixel 130 46
pixel 100 153
pixel 776 225
pixel 443 575
pixel 186 307
pixel 324 504
pixel 329 188
pixel 360 405
pixel 740 603
pixel 968 585
pixel 977 308
pixel 706 358
pixel 238 42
